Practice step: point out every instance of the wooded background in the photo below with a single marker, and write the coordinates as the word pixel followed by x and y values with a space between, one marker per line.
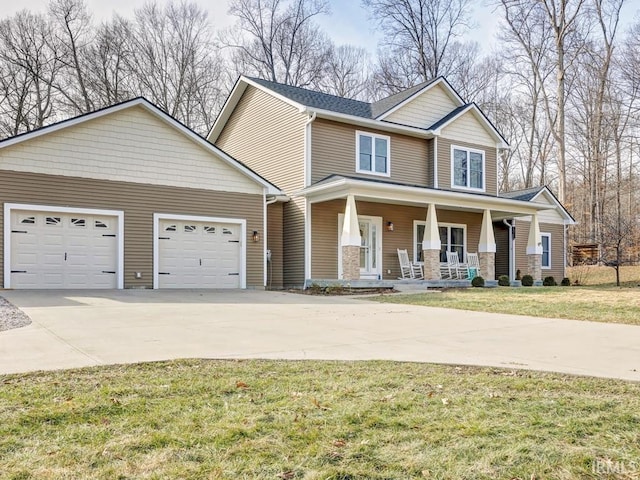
pixel 562 84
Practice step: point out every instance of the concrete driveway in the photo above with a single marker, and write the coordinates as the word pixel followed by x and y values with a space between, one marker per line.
pixel 83 328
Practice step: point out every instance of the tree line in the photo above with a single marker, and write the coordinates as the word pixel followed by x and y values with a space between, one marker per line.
pixel 562 83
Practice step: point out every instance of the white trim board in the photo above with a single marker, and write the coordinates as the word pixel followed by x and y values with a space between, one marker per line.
pixel 8 207
pixel 484 168
pixel 196 218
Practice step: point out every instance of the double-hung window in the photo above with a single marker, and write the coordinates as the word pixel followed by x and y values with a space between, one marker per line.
pixel 373 154
pixel 467 168
pixel 452 239
pixel 546 250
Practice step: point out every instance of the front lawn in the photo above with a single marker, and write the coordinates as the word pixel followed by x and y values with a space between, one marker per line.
pixel 315 420
pixel 598 304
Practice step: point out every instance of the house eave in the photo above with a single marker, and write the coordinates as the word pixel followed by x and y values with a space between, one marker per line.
pixel 413 195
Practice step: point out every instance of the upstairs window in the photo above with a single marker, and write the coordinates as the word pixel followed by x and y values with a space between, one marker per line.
pixel 467 168
pixel 373 153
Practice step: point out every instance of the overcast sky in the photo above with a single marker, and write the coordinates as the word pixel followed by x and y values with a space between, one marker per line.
pixel 348 22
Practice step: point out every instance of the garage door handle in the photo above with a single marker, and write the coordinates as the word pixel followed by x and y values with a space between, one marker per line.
pixel 164 273
pixel 108 271
pixel 233 241
pixel 233 274
pixel 19 231
pixel 164 238
pixel 18 271
pixel 108 234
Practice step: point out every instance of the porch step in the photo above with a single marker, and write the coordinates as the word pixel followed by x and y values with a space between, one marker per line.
pixel 323 283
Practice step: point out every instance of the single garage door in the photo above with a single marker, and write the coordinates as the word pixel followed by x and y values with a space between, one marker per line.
pixel 198 254
pixel 63 250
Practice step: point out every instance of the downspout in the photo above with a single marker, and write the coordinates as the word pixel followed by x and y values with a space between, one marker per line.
pixel 512 259
pixel 307 208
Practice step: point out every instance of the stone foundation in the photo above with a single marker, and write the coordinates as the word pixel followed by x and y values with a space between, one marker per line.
pixel 534 266
pixel 350 262
pixel 431 264
pixel 487 265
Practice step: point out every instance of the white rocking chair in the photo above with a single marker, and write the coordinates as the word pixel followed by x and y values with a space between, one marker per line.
pixel 460 270
pixel 409 269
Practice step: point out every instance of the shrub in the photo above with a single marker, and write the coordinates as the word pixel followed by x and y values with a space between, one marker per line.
pixel 503 280
pixel 477 282
pixel 565 282
pixel 549 282
pixel 527 281
pixel 518 275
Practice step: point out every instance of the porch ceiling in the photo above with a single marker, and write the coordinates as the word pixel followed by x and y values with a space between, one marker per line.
pixel 390 193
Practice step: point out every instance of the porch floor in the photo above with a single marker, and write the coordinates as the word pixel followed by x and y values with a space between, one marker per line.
pixel 399 284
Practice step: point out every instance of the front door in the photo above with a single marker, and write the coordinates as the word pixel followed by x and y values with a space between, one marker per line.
pixel 370 247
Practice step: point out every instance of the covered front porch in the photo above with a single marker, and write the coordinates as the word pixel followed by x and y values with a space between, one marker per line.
pixel 355 228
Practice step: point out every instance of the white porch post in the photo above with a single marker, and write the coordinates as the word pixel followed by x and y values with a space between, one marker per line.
pixel 350 241
pixel 487 248
pixel 431 245
pixel 534 249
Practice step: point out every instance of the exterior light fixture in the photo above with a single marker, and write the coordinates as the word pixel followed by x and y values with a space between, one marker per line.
pixel 389 226
pixel 256 236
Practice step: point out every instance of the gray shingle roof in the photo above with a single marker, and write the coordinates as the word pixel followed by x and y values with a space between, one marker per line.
pixel 325 101
pixel 448 117
pixel 526 194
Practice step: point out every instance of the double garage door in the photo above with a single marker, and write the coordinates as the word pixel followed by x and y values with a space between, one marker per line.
pixel 83 249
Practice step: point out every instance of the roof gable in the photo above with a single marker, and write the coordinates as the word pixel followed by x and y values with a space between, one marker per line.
pixel 148 121
pixel 541 195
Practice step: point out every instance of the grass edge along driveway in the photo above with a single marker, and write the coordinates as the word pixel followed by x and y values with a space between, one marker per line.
pixel 596 304
pixel 315 420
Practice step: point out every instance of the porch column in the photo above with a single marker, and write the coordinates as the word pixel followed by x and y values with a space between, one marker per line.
pixel 534 249
pixel 350 241
pixel 487 248
pixel 431 245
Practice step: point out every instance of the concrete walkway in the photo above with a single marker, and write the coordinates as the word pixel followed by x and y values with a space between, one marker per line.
pixel 77 329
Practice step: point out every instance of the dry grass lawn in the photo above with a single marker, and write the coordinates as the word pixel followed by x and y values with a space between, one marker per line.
pixel 605 276
pixel 315 420
pixel 598 302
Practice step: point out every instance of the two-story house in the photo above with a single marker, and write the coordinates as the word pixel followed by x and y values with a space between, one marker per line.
pixel 415 171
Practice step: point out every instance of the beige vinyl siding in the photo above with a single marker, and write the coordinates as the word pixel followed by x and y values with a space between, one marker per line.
pixel 130 145
pixel 268 135
pixel 424 110
pixel 467 128
pixel 139 202
pixel 274 243
pixel 325 227
pixel 444 164
pixel 557 270
pixel 333 148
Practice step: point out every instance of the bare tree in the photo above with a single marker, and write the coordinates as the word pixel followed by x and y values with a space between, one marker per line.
pixel 29 67
pixel 346 72
pixel 72 34
pixel 278 40
pixel 172 60
pixel 421 41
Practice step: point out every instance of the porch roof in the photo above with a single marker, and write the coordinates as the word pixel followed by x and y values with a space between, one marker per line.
pixel 382 191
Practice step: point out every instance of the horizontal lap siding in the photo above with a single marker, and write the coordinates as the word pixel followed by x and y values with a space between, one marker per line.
pixel 425 110
pixel 275 244
pixel 325 229
pixel 333 148
pixel 267 134
pixel 444 164
pixel 139 202
pixel 557 270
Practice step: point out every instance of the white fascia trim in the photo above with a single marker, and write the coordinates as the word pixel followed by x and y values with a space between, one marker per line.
pixel 368 123
pixel 418 194
pixel 568 219
pixel 197 218
pixel 439 81
pixel 484 168
pixel 8 207
pixel 500 143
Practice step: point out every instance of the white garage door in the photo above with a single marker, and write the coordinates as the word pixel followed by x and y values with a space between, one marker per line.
pixel 196 254
pixel 63 250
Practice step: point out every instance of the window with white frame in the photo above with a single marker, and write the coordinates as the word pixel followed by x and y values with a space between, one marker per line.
pixel 373 153
pixel 467 168
pixel 453 238
pixel 546 250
